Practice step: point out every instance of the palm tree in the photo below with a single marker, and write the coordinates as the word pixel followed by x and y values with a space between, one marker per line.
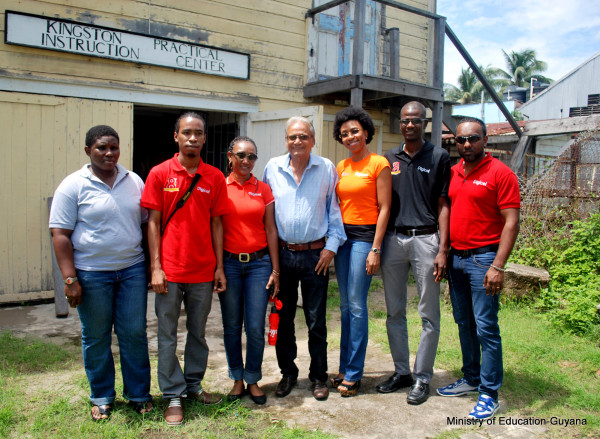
pixel 522 66
pixel 469 87
pixel 466 92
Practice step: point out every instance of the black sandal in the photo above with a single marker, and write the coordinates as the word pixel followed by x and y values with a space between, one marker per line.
pixel 103 410
pixel 336 381
pixel 141 407
pixel 349 390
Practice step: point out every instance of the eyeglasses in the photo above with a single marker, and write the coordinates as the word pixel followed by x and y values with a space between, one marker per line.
pixel 302 137
pixel 352 132
pixel 414 121
pixel 242 155
pixel 471 139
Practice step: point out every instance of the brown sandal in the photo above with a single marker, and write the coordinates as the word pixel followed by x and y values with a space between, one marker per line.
pixel 141 407
pixel 347 390
pixel 104 412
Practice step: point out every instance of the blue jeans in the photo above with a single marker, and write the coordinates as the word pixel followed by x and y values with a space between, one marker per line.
pixel 476 315
pixel 354 283
pixel 299 267
pixel 245 301
pixel 116 298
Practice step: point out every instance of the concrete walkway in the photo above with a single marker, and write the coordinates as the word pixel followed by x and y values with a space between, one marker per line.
pixel 368 415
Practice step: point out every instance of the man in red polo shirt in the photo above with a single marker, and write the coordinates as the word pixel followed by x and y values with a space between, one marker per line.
pixel 484 223
pixel 186 257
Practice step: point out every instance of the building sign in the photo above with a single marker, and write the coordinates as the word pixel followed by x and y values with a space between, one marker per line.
pixel 84 39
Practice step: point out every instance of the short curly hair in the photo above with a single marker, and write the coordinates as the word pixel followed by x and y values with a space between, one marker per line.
pixel 357 114
pixel 98 131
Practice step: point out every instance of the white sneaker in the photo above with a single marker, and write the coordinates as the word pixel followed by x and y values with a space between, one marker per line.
pixel 459 388
pixel 485 408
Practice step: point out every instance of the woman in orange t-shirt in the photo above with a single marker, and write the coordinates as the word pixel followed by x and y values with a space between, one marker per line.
pixel 365 193
pixel 251 264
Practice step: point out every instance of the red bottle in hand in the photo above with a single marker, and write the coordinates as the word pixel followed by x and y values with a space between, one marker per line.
pixel 274 320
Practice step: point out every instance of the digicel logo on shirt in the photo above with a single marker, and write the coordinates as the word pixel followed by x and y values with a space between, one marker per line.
pixel 171 185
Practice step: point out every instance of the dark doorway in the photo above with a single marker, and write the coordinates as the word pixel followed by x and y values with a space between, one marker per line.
pixel 153 141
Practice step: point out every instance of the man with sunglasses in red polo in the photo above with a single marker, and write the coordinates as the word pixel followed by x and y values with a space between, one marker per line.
pixel 484 223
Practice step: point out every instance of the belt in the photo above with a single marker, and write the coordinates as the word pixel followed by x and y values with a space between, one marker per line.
pixel 475 251
pixel 416 232
pixel 293 247
pixel 246 257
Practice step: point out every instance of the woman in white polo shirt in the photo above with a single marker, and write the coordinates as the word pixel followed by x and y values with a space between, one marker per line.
pixel 96 222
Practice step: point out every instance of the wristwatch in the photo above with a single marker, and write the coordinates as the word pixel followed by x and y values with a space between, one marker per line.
pixel 376 250
pixel 70 280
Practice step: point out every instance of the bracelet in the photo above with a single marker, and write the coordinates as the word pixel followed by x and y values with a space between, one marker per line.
pixel 498 268
pixel 276 273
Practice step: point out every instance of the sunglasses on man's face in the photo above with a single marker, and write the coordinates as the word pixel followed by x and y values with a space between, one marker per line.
pixel 405 122
pixel 471 139
pixel 242 155
pixel 302 137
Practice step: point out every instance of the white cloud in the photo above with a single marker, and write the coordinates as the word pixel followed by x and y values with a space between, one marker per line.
pixel 563 34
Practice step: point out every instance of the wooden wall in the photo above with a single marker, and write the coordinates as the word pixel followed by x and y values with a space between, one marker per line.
pixel 42 136
pixel 273 32
pixel 42 140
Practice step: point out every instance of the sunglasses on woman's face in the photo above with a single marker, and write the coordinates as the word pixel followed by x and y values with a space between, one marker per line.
pixel 242 155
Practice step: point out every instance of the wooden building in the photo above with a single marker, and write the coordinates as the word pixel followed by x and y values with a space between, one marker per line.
pixel 66 65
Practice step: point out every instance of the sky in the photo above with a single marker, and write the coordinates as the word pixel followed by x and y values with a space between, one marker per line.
pixel 564 33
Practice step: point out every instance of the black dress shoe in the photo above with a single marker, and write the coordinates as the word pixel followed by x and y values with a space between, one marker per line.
pixel 418 394
pixel 394 383
pixel 285 386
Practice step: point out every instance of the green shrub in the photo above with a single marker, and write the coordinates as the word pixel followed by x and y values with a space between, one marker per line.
pixel 571 254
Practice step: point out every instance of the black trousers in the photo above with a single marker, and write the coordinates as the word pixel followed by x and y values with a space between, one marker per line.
pixel 299 268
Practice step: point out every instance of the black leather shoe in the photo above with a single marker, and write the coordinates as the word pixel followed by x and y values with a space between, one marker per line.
pixel 285 386
pixel 394 383
pixel 418 394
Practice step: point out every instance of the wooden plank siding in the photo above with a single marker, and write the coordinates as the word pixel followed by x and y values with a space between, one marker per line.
pixel 414 40
pixel 273 33
pixel 42 140
pixel 42 136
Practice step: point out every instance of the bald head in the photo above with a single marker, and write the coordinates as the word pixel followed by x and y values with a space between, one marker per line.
pixel 414 106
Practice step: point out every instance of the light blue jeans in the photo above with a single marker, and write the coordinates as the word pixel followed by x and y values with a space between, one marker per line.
pixel 116 298
pixel 245 301
pixel 354 283
pixel 476 315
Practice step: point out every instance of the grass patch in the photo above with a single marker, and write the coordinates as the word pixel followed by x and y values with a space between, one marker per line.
pixel 547 373
pixel 44 394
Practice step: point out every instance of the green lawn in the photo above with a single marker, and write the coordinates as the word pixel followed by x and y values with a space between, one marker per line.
pixel 546 373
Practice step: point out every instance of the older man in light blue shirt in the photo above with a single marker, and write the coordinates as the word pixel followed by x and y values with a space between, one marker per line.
pixel 310 230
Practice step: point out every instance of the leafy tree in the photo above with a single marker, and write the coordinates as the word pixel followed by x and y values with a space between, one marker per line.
pixel 469 87
pixel 522 66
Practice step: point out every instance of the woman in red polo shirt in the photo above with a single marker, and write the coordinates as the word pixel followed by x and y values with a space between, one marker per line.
pixel 251 262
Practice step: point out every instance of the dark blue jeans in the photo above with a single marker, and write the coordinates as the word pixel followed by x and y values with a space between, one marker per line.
pixel 245 301
pixel 116 298
pixel 299 268
pixel 476 315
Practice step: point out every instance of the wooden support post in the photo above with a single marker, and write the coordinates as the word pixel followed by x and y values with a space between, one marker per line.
pixel 516 162
pixel 358 51
pixel 394 35
pixel 61 307
pixel 436 123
